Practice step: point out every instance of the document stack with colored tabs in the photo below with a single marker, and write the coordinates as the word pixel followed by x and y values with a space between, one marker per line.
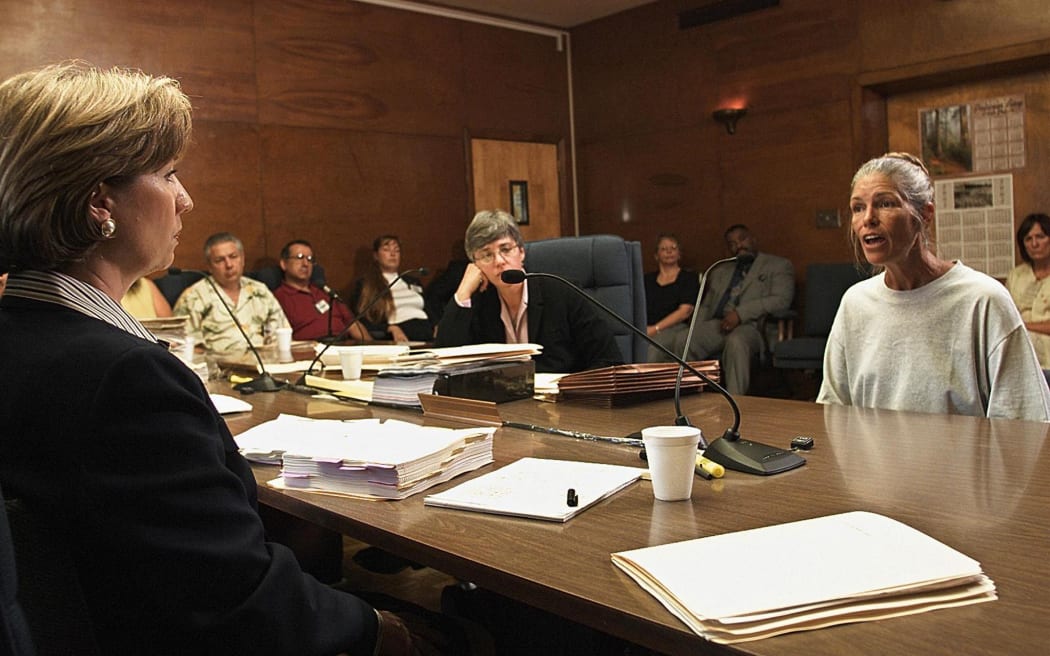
pixel 366 457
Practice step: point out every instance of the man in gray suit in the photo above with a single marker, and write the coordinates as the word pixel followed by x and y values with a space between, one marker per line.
pixel 737 297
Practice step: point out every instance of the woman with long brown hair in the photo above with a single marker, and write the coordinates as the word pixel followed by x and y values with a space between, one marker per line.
pixel 397 311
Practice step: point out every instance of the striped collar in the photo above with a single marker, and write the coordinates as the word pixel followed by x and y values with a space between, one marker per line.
pixel 68 292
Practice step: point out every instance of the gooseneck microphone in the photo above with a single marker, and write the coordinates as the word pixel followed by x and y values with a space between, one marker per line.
pixel 331 292
pixel 421 272
pixel 264 382
pixel 332 298
pixel 681 419
pixel 728 450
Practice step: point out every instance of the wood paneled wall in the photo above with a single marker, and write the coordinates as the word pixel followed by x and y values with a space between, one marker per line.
pixel 827 83
pixel 328 120
pixel 335 121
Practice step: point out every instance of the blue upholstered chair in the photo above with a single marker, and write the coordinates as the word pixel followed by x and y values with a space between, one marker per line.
pixel 606 267
pixel 172 286
pixel 825 285
pixel 272 276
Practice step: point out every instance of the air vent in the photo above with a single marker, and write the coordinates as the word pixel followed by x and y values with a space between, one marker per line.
pixel 721 10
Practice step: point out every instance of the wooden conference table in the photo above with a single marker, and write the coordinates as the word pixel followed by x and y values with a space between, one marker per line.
pixel 980 486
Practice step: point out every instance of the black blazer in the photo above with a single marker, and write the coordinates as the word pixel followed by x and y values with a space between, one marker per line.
pixel 574 337
pixel 14 633
pixel 117 440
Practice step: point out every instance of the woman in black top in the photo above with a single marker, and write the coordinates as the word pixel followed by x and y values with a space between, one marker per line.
pixel 670 293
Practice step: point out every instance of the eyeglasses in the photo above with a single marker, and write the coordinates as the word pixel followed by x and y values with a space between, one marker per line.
pixel 302 256
pixel 488 257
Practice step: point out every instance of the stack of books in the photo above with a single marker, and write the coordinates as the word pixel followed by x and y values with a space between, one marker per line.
pixel 851 567
pixel 366 457
pixel 633 383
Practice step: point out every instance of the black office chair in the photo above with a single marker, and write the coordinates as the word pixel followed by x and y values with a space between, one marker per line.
pixel 825 285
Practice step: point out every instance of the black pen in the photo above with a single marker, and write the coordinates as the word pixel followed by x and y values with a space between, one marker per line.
pixel 570 433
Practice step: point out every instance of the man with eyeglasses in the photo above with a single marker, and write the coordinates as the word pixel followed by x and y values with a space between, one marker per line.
pixel 255 307
pixel 484 309
pixel 313 313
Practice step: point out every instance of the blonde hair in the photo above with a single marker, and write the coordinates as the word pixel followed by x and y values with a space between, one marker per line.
pixel 64 129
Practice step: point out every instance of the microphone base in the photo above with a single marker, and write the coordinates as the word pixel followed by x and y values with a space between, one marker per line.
pixel 752 457
pixel 264 383
pixel 330 339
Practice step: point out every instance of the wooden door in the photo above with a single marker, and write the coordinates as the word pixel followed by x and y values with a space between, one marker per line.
pixel 520 177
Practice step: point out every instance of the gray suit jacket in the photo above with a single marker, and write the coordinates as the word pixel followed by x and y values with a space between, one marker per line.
pixel 768 287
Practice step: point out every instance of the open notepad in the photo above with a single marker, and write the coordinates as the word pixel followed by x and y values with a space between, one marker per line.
pixel 858 566
pixel 537 488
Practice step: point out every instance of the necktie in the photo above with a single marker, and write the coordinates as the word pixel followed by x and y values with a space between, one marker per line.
pixel 732 290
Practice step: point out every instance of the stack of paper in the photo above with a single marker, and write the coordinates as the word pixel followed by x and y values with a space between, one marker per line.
pixel 227 404
pixel 633 383
pixel 852 567
pixel 172 330
pixel 495 379
pixel 373 357
pixel 365 457
pixel 537 488
pixel 472 353
pixel 401 386
pixel 357 390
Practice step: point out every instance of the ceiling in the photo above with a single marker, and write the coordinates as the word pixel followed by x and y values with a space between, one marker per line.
pixel 553 13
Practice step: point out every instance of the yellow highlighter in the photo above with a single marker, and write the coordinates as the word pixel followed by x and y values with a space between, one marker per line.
pixel 710 467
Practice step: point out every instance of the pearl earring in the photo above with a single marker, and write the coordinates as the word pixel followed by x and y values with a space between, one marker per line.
pixel 109 228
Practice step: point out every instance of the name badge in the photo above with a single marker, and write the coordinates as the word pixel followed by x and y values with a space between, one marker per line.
pixel 322 306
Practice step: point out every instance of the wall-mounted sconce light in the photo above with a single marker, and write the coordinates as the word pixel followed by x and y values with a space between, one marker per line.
pixel 728 116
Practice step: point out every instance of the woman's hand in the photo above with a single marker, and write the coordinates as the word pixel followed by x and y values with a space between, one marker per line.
pixel 473 281
pixel 397 334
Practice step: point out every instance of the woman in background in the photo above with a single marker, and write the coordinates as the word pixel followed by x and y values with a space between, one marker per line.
pixel 138 472
pixel 925 334
pixel 144 300
pixel 399 314
pixel 670 292
pixel 1029 283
